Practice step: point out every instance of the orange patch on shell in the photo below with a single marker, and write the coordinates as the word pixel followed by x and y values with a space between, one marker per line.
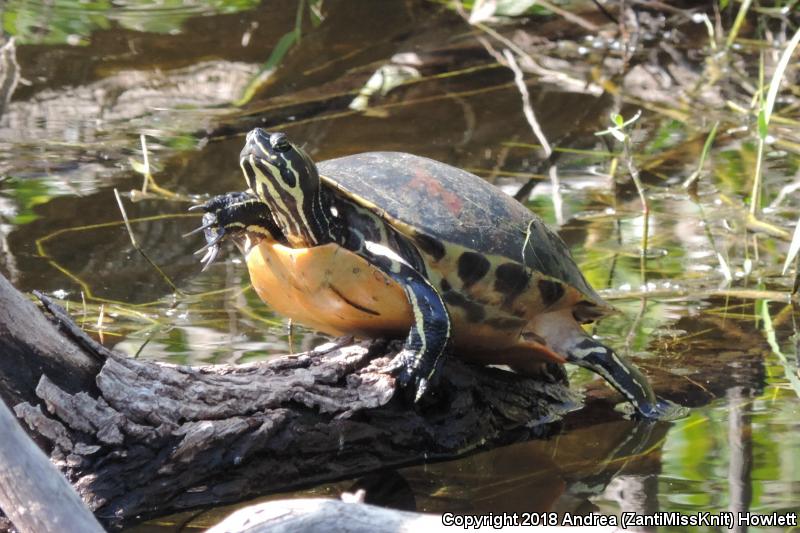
pixel 422 181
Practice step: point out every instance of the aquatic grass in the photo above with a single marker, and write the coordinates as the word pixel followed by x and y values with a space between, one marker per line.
pixel 691 185
pixel 599 154
pixel 150 189
pixel 790 370
pixel 794 247
pixel 41 251
pixel 765 111
pixel 281 49
pixel 618 131
pixel 741 15
pixel 703 156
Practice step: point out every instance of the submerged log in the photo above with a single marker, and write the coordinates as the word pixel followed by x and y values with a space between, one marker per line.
pixel 147 438
pixel 317 515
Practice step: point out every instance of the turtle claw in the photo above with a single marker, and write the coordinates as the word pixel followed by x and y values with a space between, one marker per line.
pixel 213 230
pixel 205 226
pixel 210 257
pixel 410 374
pixel 212 241
pixel 401 366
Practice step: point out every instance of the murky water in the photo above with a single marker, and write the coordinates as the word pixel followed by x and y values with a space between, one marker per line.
pixel 708 319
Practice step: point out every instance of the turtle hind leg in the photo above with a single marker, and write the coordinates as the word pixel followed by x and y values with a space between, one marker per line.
pixel 566 337
pixel 625 377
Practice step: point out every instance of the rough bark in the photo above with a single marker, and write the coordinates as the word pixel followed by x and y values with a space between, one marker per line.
pixel 31 346
pixel 146 438
pixel 33 493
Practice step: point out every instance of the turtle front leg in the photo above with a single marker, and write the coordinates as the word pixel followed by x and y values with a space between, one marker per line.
pixel 229 214
pixel 424 349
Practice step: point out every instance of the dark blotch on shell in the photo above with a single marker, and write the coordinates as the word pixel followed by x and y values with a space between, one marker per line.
pixel 445 285
pixel 472 267
pixel 510 280
pixel 429 245
pixel 551 291
pixel 474 311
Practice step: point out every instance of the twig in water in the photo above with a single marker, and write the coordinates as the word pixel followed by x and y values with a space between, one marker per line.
pixel 530 116
pixel 139 248
pixel 690 181
pixel 618 132
pixel 83 317
pixel 149 186
pixel 526 102
pixel 100 318
pixel 290 328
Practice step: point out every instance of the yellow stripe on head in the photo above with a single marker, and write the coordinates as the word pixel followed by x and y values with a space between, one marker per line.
pixel 284 177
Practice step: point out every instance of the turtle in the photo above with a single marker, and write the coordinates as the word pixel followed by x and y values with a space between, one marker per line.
pixel 393 244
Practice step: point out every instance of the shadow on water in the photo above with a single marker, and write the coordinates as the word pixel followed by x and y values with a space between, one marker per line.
pixel 708 318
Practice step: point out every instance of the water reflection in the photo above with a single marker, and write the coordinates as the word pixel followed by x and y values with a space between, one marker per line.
pixel 564 474
pixel 73 22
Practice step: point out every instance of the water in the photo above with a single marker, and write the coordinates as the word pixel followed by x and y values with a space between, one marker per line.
pixel 715 334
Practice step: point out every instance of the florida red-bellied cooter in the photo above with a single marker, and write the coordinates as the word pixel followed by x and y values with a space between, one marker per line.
pixel 393 244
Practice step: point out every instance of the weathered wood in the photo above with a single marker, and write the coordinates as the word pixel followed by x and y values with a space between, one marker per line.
pixel 31 346
pixel 33 493
pixel 149 438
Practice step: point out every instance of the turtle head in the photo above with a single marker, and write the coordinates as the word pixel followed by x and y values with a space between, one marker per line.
pixel 285 178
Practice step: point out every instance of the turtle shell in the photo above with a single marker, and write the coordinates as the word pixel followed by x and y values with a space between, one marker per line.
pixel 440 207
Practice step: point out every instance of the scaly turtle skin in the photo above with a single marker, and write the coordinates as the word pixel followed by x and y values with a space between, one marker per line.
pixel 386 243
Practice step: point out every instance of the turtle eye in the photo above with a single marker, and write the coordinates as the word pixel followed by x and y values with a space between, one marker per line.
pixel 279 142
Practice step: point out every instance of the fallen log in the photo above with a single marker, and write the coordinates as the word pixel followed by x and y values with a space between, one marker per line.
pixel 33 494
pixel 30 346
pixel 145 439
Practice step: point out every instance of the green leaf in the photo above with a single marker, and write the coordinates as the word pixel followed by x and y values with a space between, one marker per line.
pixel 777 76
pixel 618 135
pixel 137 166
pixel 793 248
pixel 763 128
pixel 281 48
pixel 790 369
pixel 513 8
